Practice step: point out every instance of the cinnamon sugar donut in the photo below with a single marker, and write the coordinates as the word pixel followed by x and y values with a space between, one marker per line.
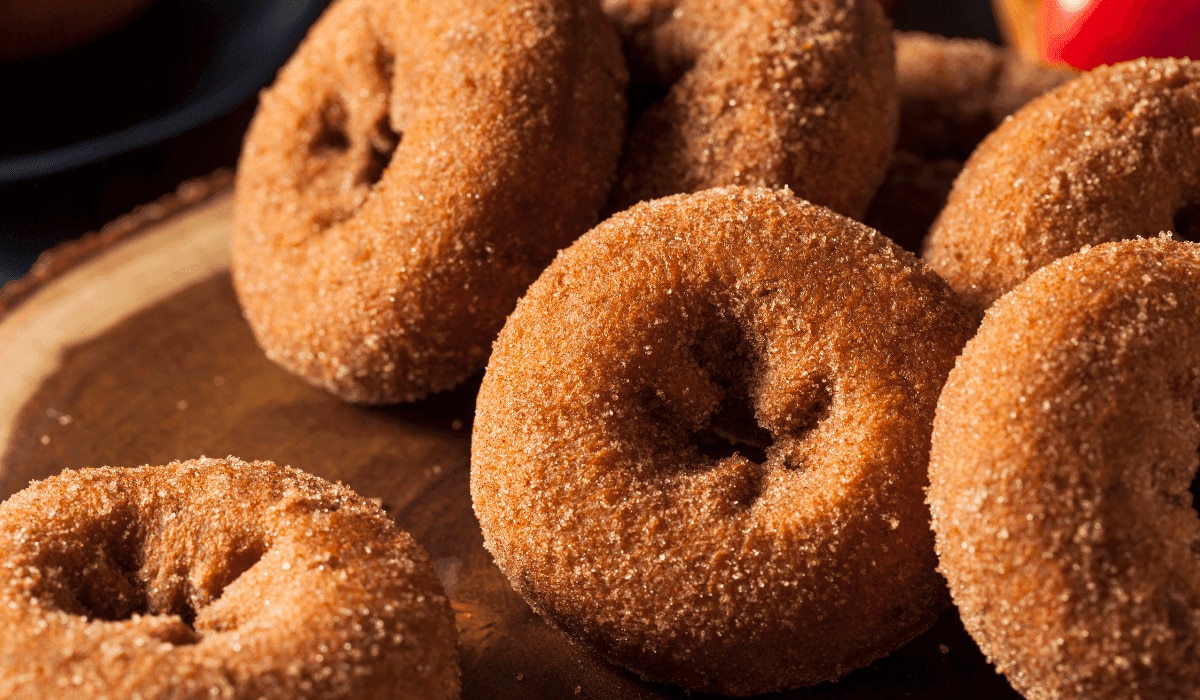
pixel 1110 156
pixel 411 171
pixel 1063 449
pixel 215 578
pixel 700 443
pixel 758 92
pixel 953 93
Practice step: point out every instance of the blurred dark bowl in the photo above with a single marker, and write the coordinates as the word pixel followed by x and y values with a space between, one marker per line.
pixel 182 64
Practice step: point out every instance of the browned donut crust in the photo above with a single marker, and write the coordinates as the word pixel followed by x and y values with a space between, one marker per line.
pixel 1063 449
pixel 1110 156
pixel 700 443
pixel 953 93
pixel 215 578
pixel 411 171
pixel 759 92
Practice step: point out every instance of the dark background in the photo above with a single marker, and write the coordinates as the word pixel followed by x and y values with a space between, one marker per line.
pixel 89 134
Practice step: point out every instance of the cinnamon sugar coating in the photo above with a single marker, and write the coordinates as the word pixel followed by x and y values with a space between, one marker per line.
pixel 700 443
pixel 953 93
pixel 760 93
pixel 1063 449
pixel 215 579
pixel 412 170
pixel 1110 156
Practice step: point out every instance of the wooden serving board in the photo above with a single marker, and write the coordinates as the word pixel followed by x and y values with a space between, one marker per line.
pixel 129 348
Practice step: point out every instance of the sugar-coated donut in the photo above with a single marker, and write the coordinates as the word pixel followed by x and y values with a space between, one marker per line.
pixel 1063 449
pixel 215 579
pixel 700 443
pixel 1112 155
pixel 758 92
pixel 953 93
pixel 412 170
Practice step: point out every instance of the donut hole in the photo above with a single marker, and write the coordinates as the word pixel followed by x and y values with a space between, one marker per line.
pixel 382 139
pixel 109 587
pixel 385 63
pixel 332 140
pixel 807 406
pixel 235 563
pixel 126 576
pixel 726 359
pixel 382 142
pixel 734 431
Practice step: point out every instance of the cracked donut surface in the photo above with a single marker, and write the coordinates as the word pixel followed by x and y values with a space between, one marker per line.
pixel 215 578
pixel 411 171
pixel 701 440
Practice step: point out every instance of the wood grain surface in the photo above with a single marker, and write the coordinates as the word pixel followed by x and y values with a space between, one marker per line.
pixel 134 352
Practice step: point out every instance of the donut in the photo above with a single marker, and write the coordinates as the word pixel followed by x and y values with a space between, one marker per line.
pixel 953 93
pixel 700 443
pixel 411 171
pixel 1110 156
pixel 1063 449
pixel 765 93
pixel 215 578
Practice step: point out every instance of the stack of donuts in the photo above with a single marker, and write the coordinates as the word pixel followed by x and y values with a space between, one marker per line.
pixel 728 436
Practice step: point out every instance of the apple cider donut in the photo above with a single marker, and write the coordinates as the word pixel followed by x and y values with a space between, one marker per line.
pixel 953 93
pixel 758 92
pixel 1063 450
pixel 215 578
pixel 412 170
pixel 1112 155
pixel 700 443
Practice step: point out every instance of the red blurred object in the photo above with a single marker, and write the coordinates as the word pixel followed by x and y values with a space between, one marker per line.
pixel 1089 33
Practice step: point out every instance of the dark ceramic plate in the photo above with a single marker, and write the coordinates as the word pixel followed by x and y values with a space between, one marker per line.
pixel 182 64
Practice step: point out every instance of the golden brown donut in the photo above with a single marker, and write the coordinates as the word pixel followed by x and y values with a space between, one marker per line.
pixel 700 443
pixel 758 92
pixel 31 28
pixel 411 171
pixel 215 578
pixel 1110 156
pixel 953 92
pixel 1063 449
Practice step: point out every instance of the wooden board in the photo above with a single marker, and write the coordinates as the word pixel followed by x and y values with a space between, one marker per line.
pixel 129 348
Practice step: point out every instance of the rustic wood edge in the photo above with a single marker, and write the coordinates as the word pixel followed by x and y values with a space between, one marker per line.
pixel 54 262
